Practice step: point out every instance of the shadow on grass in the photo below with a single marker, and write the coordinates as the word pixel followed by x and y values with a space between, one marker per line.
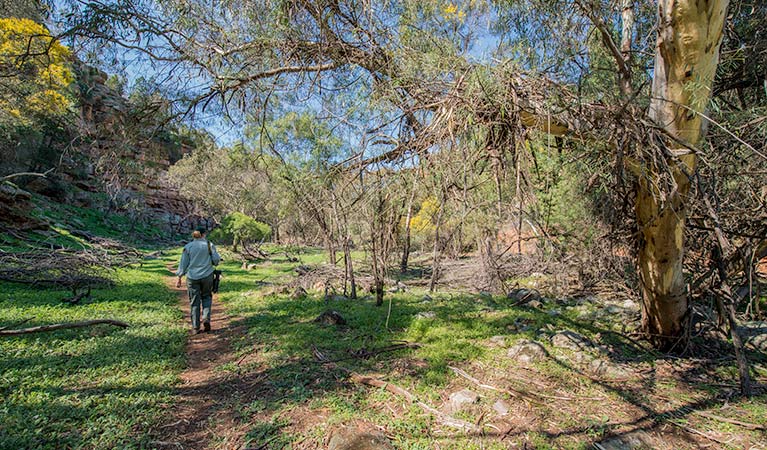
pixel 90 387
pixel 452 330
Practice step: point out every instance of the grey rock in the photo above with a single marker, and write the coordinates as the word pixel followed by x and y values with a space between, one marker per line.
pixel 755 334
pixel 607 369
pixel 570 339
pixel 501 407
pixel 426 298
pixel 458 400
pixel 527 351
pixel 629 441
pixel 554 312
pixel 330 318
pixel 349 438
pixel 534 304
pixel 398 287
pixel 14 192
pixel 612 309
pixel 426 315
pixel 524 295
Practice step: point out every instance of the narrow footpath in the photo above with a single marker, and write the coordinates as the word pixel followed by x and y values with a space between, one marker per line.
pixel 202 416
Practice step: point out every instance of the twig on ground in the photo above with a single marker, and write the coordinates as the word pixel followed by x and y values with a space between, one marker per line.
pixel 61 326
pixel 443 418
pixel 747 425
pixel 513 393
pixel 531 396
pixel 694 431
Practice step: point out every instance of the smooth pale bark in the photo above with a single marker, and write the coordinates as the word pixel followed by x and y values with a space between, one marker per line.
pixel 627 27
pixel 687 53
pixel 406 247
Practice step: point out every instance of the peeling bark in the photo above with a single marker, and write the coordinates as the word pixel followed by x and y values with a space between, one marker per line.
pixel 687 53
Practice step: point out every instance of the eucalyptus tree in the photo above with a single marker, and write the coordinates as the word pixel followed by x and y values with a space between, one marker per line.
pixel 417 61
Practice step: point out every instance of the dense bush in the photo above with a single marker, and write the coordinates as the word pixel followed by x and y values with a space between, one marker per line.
pixel 239 229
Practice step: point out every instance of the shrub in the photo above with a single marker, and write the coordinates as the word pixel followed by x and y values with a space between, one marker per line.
pixel 239 229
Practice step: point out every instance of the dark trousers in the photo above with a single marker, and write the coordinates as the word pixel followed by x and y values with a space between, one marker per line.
pixel 200 295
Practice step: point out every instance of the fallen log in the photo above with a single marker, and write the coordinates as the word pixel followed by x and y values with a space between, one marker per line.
pixel 62 326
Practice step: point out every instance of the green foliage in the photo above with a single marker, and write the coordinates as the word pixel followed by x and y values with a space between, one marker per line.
pixel 237 228
pixel 35 73
pixel 35 96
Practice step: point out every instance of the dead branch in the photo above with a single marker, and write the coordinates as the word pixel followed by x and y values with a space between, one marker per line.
pixel 700 433
pixel 61 267
pixel 25 174
pixel 724 249
pixel 13 325
pixel 463 374
pixel 62 326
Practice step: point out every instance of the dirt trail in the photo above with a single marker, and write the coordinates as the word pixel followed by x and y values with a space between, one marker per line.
pixel 201 418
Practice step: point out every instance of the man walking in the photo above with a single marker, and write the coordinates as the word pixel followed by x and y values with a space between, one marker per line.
pixel 197 261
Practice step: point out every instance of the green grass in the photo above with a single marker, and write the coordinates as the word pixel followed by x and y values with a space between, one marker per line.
pixel 282 332
pixel 95 387
pixel 104 387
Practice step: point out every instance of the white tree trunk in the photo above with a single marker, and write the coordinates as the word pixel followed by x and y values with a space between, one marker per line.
pixel 686 56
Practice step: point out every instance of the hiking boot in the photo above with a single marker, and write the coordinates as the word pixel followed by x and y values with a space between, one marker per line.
pixel 195 331
pixel 206 325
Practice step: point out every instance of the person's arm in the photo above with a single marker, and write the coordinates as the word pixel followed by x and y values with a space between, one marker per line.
pixel 215 258
pixel 183 265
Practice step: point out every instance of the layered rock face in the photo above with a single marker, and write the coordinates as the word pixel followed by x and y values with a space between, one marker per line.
pixel 129 153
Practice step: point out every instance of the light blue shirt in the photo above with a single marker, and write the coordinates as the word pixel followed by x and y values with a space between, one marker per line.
pixel 196 261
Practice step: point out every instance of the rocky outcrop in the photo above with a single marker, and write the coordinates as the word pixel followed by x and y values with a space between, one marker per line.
pixel 15 208
pixel 126 147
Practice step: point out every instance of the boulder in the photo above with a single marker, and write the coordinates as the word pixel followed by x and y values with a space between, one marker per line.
pixel 526 351
pixel 330 318
pixel 426 315
pixel 460 399
pixel 607 369
pixel 570 339
pixel 520 296
pixel 755 335
pixel 628 441
pixel 353 438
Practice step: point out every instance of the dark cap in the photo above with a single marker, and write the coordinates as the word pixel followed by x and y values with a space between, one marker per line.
pixel 201 229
